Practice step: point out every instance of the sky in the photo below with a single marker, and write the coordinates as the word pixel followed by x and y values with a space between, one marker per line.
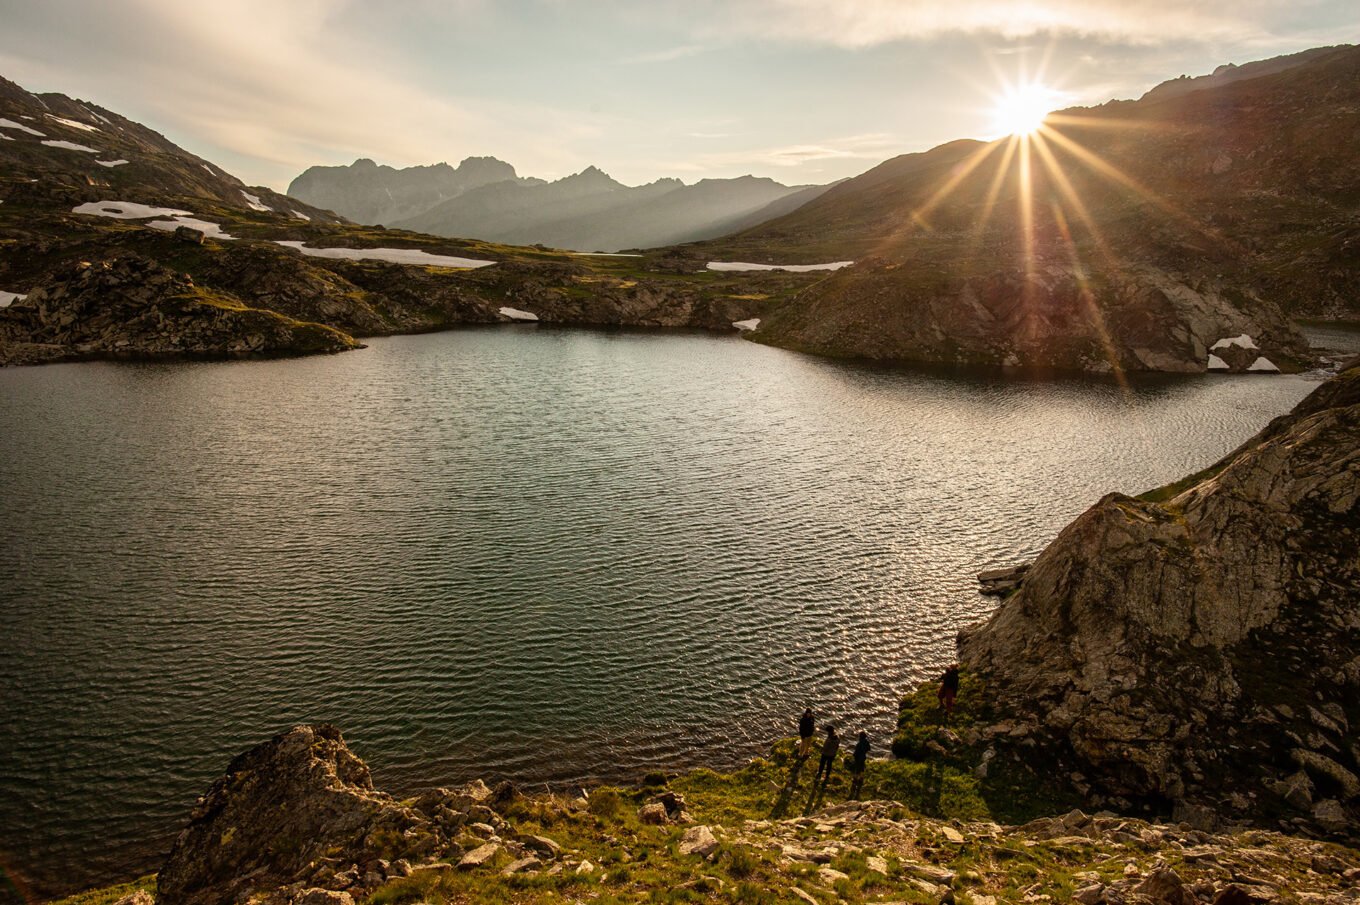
pixel 797 90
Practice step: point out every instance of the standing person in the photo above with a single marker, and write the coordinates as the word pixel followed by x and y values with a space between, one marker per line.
pixel 857 764
pixel 829 749
pixel 949 688
pixel 806 727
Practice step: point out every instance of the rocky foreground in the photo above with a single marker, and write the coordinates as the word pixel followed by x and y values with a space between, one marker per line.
pixel 1197 650
pixel 297 820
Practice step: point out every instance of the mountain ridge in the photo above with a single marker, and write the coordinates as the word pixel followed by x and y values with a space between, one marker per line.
pixel 584 211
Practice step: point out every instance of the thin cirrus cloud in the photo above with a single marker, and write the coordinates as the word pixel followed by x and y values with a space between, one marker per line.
pixel 270 87
pixel 868 147
pixel 863 23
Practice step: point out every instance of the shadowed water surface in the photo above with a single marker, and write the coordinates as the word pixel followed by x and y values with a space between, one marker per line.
pixel 525 553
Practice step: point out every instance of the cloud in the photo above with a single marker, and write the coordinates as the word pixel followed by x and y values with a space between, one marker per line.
pixel 277 85
pixel 873 146
pixel 863 23
pixel 664 56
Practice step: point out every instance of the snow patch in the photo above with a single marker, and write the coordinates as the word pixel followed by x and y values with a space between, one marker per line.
pixel 791 268
pixel 131 210
pixel 111 163
pixel 126 210
pixel 391 255
pixel 72 123
pixel 211 230
pixel 70 146
pixel 4 137
pixel 517 315
pixel 1217 364
pixel 11 124
pixel 1244 341
pixel 300 215
pixel 746 325
pixel 7 297
pixel 1263 364
pixel 253 202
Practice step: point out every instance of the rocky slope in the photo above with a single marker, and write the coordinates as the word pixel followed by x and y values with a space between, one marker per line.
pixel 54 142
pixel 297 820
pixel 60 208
pixel 1197 650
pixel 1238 198
pixel 131 307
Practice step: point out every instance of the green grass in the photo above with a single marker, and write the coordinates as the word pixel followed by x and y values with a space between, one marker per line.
pixel 108 894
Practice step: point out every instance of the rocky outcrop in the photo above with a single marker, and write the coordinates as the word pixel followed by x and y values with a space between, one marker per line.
pixel 280 808
pixel 130 307
pixel 1198 650
pixel 297 820
pixel 1139 319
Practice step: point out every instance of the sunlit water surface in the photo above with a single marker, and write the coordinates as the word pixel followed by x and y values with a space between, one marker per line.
pixel 544 555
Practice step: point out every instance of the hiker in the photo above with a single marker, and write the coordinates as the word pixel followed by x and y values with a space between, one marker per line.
pixel 829 749
pixel 949 688
pixel 806 726
pixel 857 764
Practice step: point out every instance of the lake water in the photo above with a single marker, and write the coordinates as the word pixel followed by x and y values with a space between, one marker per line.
pixel 540 554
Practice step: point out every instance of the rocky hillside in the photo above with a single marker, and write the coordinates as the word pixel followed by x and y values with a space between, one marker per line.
pixel 65 210
pixel 55 142
pixel 297 820
pixel 483 198
pixel 1228 204
pixel 133 308
pixel 1196 650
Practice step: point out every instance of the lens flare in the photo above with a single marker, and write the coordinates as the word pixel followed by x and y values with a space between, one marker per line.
pixel 1021 109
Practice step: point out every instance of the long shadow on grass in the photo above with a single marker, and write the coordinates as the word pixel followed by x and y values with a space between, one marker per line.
pixel 781 804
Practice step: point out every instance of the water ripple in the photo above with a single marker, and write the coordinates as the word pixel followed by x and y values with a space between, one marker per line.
pixel 552 556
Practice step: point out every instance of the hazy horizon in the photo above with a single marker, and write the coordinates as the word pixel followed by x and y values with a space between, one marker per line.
pixel 774 88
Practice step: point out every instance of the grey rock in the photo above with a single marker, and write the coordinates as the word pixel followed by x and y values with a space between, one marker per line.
pixel 479 856
pixel 270 820
pixel 698 840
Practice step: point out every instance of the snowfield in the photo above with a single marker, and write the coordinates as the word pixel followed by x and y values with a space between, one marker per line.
pixel 1217 364
pixel 740 266
pixel 72 123
pixel 11 124
pixel 70 146
pixel 517 315
pixel 391 255
pixel 7 297
pixel 111 163
pixel 253 202
pixel 1244 341
pixel 746 325
pixel 211 230
pixel 131 210
pixel 126 210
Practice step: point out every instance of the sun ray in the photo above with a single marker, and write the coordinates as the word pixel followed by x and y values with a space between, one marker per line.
pixel 1110 123
pixel 1103 167
pixel 1089 299
pixel 993 192
pixel 1070 195
pixel 917 218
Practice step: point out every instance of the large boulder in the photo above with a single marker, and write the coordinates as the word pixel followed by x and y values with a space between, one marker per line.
pixel 280 809
pixel 1199 645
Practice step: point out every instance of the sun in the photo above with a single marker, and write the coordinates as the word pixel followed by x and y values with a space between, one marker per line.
pixel 1021 109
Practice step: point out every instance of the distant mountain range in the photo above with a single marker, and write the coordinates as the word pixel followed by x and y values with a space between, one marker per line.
pixel 484 198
